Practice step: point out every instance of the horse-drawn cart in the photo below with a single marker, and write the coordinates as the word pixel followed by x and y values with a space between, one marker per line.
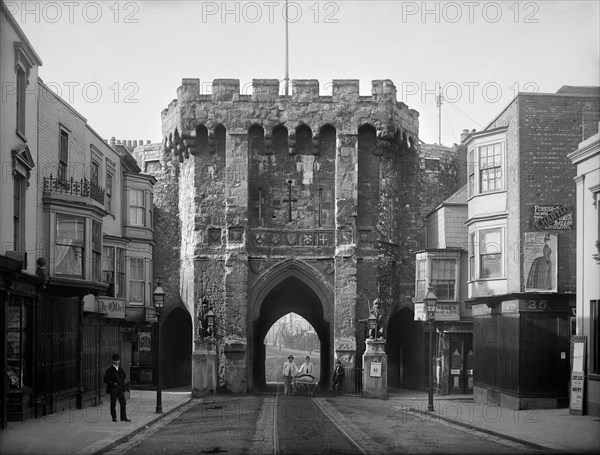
pixel 304 384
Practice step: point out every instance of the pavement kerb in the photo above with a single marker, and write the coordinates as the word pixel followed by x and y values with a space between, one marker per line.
pixel 142 427
pixel 483 430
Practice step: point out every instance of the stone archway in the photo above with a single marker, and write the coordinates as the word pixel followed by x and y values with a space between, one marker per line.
pixel 290 286
pixel 176 348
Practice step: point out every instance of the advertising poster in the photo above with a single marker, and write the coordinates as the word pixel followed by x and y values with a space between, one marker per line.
pixel 145 341
pixel 540 261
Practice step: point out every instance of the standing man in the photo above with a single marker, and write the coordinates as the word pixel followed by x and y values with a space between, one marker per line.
pixel 289 370
pixel 115 385
pixel 306 367
pixel 338 377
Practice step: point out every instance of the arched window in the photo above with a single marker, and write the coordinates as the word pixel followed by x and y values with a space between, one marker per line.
pixel 328 140
pixel 303 140
pixel 256 140
pixel 367 139
pixel 201 139
pixel 280 140
pixel 220 139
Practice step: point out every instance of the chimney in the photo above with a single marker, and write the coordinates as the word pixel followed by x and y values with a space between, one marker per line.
pixel 112 140
pixel 463 135
pixel 148 142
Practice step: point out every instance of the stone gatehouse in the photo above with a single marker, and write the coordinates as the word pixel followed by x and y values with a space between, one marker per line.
pixel 267 204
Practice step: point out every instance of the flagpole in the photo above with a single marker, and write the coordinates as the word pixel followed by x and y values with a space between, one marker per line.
pixel 287 60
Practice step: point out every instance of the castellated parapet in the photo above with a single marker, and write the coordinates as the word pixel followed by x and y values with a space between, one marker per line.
pixel 302 203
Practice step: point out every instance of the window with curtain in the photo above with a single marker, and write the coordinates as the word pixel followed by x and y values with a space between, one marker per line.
pixel 19 212
pixel 471 173
pixel 490 253
pixel 109 191
pixel 96 251
pixel 137 208
pixel 136 281
pixel 69 245
pixel 472 248
pixel 443 278
pixel 120 273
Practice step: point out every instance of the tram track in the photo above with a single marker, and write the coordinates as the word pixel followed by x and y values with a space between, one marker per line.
pixel 305 420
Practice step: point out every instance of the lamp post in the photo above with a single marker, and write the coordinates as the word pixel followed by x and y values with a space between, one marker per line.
pixel 210 317
pixel 158 298
pixel 430 301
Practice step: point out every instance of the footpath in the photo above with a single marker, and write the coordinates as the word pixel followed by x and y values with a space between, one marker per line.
pixel 91 430
pixel 552 430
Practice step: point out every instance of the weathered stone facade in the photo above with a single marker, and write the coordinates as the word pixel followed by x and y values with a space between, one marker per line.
pixel 271 204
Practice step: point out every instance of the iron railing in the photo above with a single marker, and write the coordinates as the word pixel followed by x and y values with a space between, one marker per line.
pixel 82 187
pixel 352 384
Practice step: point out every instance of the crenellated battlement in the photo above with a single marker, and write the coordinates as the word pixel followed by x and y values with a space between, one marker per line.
pixel 303 90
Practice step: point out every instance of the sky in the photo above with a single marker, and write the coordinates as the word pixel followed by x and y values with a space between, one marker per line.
pixel 119 63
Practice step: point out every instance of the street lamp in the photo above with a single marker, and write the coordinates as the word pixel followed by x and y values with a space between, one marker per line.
pixel 158 298
pixel 210 317
pixel 430 301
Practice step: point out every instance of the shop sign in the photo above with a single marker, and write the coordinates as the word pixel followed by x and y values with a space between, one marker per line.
pixel 509 306
pixel 578 354
pixel 111 308
pixel 447 312
pixel 553 217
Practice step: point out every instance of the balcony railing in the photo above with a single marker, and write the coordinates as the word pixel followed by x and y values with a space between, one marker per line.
pixel 81 188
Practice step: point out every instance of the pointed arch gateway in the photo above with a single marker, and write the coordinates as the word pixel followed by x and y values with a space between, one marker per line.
pixel 290 286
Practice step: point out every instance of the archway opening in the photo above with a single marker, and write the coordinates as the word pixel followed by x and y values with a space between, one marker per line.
pixel 404 350
pixel 291 295
pixel 291 335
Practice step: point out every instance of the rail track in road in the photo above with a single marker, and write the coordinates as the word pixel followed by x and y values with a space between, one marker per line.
pixel 305 424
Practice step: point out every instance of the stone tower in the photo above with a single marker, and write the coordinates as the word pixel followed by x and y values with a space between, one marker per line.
pixel 272 204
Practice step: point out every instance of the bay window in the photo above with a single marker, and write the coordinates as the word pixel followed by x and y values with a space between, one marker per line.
pixel 490 167
pixel 137 208
pixel 136 280
pixel 69 247
pixel 443 278
pixel 490 253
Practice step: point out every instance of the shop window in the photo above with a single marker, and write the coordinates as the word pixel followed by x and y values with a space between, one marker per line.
pixel 136 281
pixel 18 368
pixel 69 246
pixel 137 208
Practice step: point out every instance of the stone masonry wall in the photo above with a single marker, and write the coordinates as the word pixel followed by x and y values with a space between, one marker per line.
pixel 236 200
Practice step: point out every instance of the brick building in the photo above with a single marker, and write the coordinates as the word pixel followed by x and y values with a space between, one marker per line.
pixel 267 204
pixel 521 261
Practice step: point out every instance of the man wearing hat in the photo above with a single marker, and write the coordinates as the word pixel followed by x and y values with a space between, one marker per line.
pixel 115 385
pixel 289 370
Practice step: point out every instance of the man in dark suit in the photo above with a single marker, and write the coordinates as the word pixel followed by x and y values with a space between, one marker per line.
pixel 115 385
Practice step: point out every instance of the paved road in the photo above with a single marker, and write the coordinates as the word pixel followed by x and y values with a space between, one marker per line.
pixel 269 423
